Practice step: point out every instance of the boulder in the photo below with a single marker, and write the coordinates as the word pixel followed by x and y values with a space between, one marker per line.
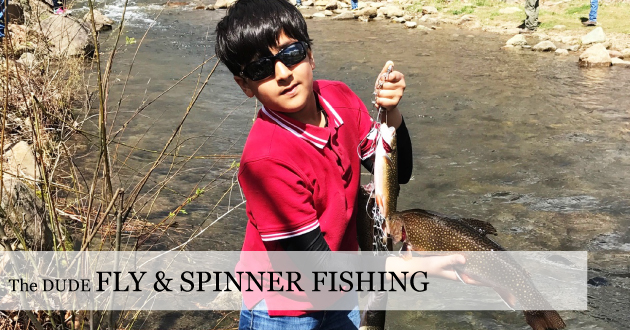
pixel 562 52
pixel 510 10
pixel 619 62
pixel 429 10
pixel 614 53
pixel 25 210
pixel 344 16
pixel 21 161
pixel 328 12
pixel 391 11
pixel 331 5
pixel 411 25
pixel 517 40
pixel 545 46
pixel 593 37
pixel 596 55
pixel 67 36
pixel 101 22
pixel 222 4
pixel 367 11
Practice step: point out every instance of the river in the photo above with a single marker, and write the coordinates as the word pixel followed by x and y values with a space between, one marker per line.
pixel 527 141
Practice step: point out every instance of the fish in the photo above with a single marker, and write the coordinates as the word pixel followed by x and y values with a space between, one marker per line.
pixel 386 186
pixel 422 230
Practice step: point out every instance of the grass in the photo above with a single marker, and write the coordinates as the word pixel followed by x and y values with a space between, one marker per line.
pixel 612 17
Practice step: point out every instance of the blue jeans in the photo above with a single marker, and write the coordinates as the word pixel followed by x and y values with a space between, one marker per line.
pixel 2 18
pixel 354 4
pixel 258 318
pixel 298 2
pixel 592 16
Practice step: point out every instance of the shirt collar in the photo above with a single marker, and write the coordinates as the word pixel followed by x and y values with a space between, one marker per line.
pixel 317 136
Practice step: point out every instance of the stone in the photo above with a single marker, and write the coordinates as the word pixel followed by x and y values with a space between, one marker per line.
pixel 562 52
pixel 411 25
pixel 321 3
pixel 625 54
pixel 308 3
pixel 344 16
pixel 408 17
pixel 101 22
pixel 465 18
pixel 429 10
pixel 559 27
pixel 222 4
pixel 307 16
pixel 28 60
pixel 331 5
pixel 341 4
pixel 318 15
pixel 509 47
pixel 367 11
pixel 573 48
pixel 619 62
pixel 423 28
pixel 614 53
pixel 392 11
pixel 398 20
pixel 517 40
pixel 596 55
pixel 544 46
pixel 21 161
pixel 510 10
pixel 328 12
pixel 68 36
pixel 26 211
pixel 595 36
pixel 210 7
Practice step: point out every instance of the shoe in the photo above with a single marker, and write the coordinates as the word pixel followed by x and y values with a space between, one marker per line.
pixel 526 31
pixel 589 23
pixel 60 11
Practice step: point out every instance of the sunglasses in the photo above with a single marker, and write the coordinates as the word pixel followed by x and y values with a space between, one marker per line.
pixel 266 66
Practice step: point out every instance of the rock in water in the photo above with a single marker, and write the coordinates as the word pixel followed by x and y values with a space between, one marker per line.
pixel 102 22
pixel 595 36
pixel 344 16
pixel 619 62
pixel 411 25
pixel 562 52
pixel 544 46
pixel 68 36
pixel 331 5
pixel 596 55
pixel 517 40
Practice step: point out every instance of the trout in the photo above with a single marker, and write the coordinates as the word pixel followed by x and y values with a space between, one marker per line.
pixel 428 231
pixel 386 185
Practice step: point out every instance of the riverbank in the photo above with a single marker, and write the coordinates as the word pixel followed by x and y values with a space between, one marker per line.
pixel 560 21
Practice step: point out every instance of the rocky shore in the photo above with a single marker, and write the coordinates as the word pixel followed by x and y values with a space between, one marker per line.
pixel 594 46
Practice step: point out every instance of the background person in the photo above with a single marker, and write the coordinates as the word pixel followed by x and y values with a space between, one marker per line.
pixel 592 15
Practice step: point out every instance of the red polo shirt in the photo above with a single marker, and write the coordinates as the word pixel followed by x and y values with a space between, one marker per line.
pixel 297 177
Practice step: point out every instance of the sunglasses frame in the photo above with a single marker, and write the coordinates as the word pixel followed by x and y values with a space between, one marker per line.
pixel 274 58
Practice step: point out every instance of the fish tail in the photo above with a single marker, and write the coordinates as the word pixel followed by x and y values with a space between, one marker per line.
pixel 544 320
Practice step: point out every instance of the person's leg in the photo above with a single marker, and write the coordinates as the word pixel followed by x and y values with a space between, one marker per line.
pixel 354 4
pixel 2 19
pixel 592 16
pixel 531 11
pixel 259 319
pixel 298 2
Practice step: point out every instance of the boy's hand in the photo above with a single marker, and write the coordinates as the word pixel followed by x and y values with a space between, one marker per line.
pixel 393 86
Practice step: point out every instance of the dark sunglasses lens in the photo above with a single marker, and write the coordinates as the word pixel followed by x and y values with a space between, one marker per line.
pixel 260 69
pixel 292 55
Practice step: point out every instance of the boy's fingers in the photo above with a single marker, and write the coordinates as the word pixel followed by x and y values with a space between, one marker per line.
pixel 394 77
pixel 381 76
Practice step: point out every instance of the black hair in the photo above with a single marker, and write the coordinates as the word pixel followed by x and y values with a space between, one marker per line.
pixel 251 27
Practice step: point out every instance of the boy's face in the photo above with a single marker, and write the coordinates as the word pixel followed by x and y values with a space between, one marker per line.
pixel 290 89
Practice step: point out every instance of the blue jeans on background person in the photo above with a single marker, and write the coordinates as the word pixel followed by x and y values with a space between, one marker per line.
pixel 258 318
pixel 354 4
pixel 2 3
pixel 298 3
pixel 592 15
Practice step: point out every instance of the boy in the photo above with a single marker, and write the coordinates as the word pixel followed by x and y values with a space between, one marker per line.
pixel 300 170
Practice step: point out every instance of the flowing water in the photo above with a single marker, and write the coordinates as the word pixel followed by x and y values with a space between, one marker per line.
pixel 527 141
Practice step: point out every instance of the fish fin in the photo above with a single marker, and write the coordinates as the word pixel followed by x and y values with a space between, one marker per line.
pixel 507 297
pixel 459 277
pixel 544 320
pixel 405 251
pixel 483 227
pixel 389 160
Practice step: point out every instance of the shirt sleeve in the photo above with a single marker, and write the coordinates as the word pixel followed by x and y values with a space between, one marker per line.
pixel 280 200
